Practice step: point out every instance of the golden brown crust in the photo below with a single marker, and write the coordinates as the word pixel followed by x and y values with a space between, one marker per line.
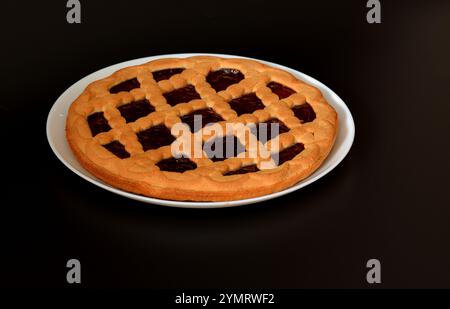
pixel 139 174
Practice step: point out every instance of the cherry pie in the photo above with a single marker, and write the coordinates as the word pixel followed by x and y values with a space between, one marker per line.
pixel 121 128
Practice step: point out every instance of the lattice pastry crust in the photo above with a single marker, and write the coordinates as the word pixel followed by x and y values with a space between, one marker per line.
pixel 115 128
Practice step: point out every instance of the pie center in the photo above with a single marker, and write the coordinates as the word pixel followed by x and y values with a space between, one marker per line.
pixel 181 95
pixel 223 78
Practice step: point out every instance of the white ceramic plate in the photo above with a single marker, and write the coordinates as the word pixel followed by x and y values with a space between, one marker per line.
pixel 57 139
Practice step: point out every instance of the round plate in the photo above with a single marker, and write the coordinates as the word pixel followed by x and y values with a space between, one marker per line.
pixel 56 135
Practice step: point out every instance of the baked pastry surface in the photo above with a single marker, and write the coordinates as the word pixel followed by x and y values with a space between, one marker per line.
pixel 120 128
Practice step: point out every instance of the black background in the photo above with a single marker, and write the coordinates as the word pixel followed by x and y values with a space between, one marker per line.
pixel 388 199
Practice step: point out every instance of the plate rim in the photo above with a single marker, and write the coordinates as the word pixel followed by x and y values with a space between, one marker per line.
pixel 349 139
